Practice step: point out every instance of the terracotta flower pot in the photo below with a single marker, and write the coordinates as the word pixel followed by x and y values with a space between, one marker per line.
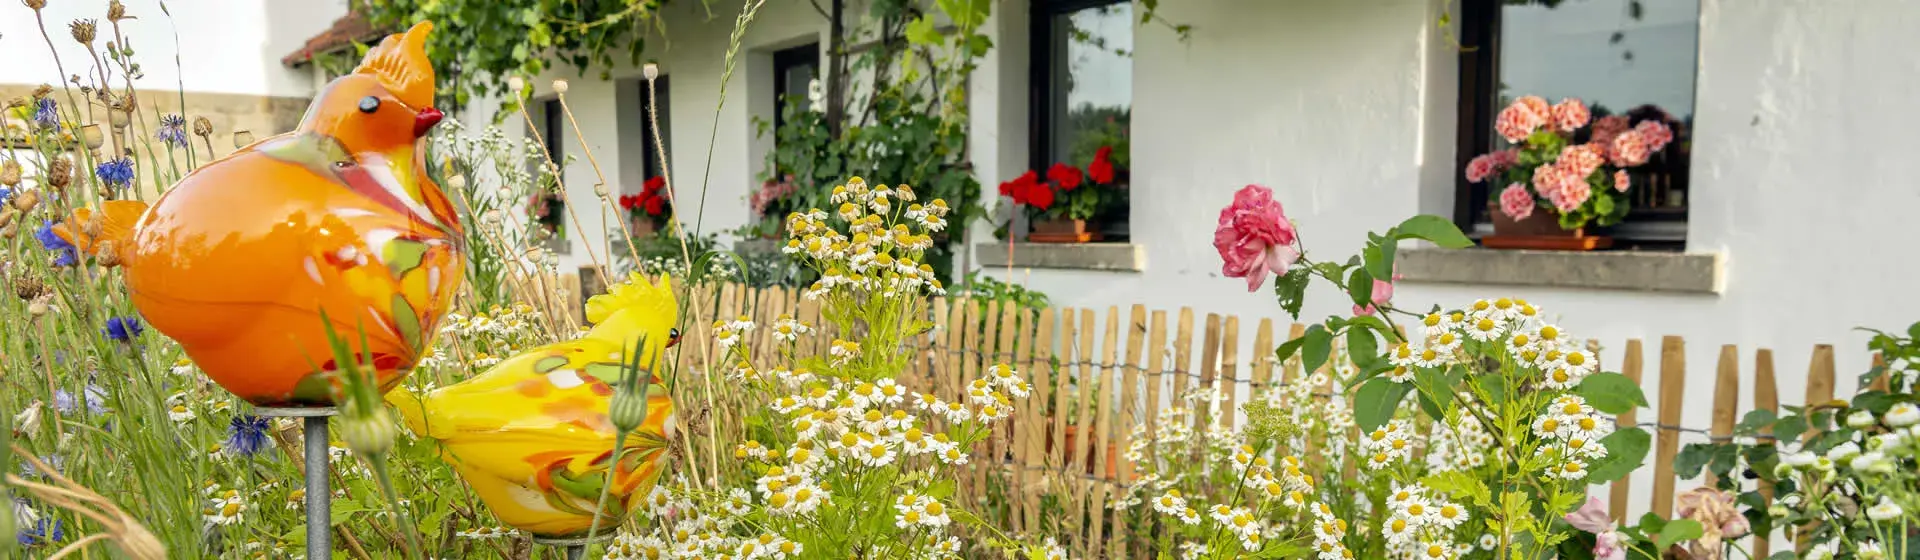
pixel 640 225
pixel 1539 230
pixel 1062 231
pixel 1113 452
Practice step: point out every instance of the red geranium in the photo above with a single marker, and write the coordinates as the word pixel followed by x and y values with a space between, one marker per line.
pixel 1020 188
pixel 1101 170
pixel 1067 176
pixel 1039 195
pixel 653 184
pixel 655 204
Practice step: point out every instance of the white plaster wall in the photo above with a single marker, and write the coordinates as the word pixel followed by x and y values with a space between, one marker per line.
pixel 1347 111
pixel 223 46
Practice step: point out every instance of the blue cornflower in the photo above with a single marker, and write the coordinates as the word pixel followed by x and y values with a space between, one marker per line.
pixel 96 400
pixel 117 173
pixel 124 329
pixel 44 532
pixel 173 130
pixel 55 460
pixel 46 114
pixel 65 254
pixel 247 434
pixel 6 194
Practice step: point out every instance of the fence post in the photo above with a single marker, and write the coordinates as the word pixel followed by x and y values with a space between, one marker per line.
pixel 1228 384
pixel 1103 433
pixel 1766 397
pixel 1819 391
pixel 1673 389
pixel 1726 398
pixel 1630 366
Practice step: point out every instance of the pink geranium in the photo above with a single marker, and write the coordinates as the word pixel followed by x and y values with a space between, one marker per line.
pixel 1546 180
pixel 1608 127
pixel 1570 114
pixel 1480 168
pixel 1536 104
pixel 1621 181
pixel 1573 193
pixel 1580 161
pixel 1254 237
pixel 1630 149
pixel 1518 121
pixel 1516 202
pixel 1656 133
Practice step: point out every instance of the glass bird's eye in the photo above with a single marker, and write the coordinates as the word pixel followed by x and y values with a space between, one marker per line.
pixel 369 104
pixel 673 336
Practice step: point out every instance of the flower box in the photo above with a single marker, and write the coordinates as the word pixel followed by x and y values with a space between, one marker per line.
pixel 1540 231
pixel 1063 231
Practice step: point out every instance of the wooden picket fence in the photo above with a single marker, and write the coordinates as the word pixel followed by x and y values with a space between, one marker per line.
pixel 1139 361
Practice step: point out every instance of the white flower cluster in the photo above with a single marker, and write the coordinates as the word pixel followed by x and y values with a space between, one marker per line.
pixel 1387 445
pixel 1512 324
pixel 228 507
pixel 1419 525
pixel 1574 430
pixel 871 255
pixel 485 338
pixel 1460 445
pixel 1288 487
pixel 703 537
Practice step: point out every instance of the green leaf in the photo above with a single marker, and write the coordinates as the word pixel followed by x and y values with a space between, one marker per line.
pixel 1611 393
pixel 1318 345
pixel 1291 289
pixel 1379 257
pixel 1755 420
pixel 1626 450
pixel 1691 459
pixel 1459 484
pixel 1438 230
pixel 1374 404
pixel 1287 348
pixel 1603 204
pixel 920 32
pixel 1361 347
pixel 1790 428
pixel 1360 287
pixel 1677 531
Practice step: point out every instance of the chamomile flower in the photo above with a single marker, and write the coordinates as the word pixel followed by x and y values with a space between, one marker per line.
pixel 1886 510
pixel 1170 503
pixel 1485 328
pixel 179 413
pixel 225 511
pixel 1902 415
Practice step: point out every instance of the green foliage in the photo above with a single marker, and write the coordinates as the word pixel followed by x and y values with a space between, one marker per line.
pixel 1376 402
pixel 1626 451
pixel 987 288
pixel 1611 393
pixel 478 43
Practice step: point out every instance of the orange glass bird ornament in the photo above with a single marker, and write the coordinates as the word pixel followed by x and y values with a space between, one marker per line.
pixel 238 260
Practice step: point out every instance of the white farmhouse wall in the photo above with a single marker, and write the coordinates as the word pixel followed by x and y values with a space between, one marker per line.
pixel 223 46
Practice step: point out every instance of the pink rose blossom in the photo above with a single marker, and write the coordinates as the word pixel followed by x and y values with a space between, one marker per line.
pixel 1656 133
pixel 1516 202
pixel 1573 193
pixel 1570 114
pixel 1593 518
pixel 1621 181
pixel 1580 161
pixel 1608 127
pixel 1630 149
pixel 1518 121
pixel 1254 237
pixel 1536 104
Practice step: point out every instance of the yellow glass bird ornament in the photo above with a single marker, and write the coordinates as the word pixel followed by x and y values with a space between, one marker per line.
pixel 532 435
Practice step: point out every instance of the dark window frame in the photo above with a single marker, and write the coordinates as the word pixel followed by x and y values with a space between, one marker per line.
pixel 784 60
pixel 650 138
pixel 552 115
pixel 1479 83
pixel 1040 114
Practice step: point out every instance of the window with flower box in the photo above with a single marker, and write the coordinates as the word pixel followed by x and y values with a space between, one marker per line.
pixel 794 72
pixel 1081 106
pixel 1629 61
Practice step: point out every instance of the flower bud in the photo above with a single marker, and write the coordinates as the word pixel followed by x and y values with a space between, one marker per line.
pixel 107 254
pixel 600 190
pixel 36 4
pixel 202 127
pixel 651 71
pixel 1778 511
pixel 369 434
pixel 560 87
pixel 9 173
pixel 1782 470
pixel 1860 419
pixel 629 409
pixel 516 85
pixel 38 308
pixel 26 201
pixel 116 10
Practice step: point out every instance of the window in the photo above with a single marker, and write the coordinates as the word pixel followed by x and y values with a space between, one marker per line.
pixel 794 70
pixel 1082 92
pixel 553 124
pixel 652 140
pixel 1622 57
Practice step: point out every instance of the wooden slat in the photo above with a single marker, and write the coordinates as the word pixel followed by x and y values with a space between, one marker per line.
pixel 1819 383
pixel 1766 397
pixel 1290 369
pixel 1209 359
pixel 1156 373
pixel 1084 382
pixel 1130 409
pixel 1182 356
pixel 1039 373
pixel 1059 455
pixel 941 345
pixel 988 325
pixel 1673 389
pixel 1010 441
pixel 1229 382
pixel 1103 433
pixel 1882 382
pixel 1262 359
pixel 1630 366
pixel 1726 397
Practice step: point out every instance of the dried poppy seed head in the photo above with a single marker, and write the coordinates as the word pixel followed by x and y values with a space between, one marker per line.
pixel 202 126
pixel 9 173
pixel 36 4
pixel 28 287
pixel 82 30
pixel 116 10
pixel 60 172
pixel 25 201
pixel 42 91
